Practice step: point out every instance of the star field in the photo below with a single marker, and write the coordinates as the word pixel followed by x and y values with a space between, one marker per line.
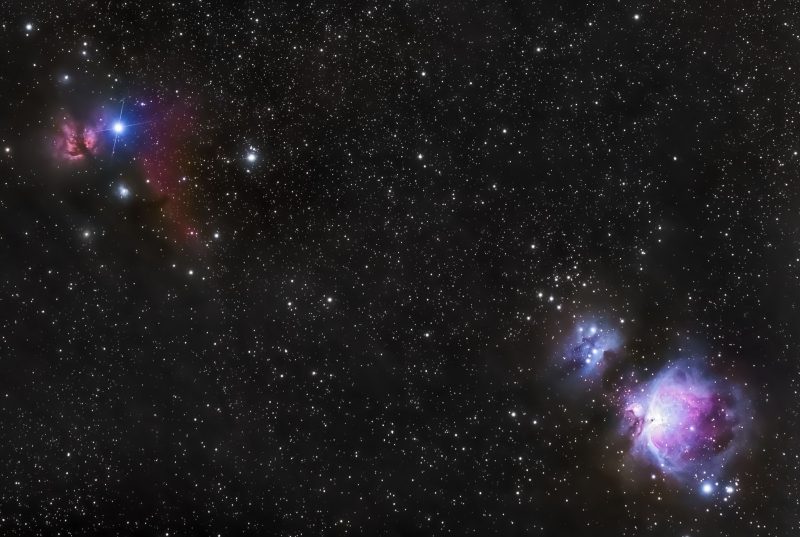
pixel 399 268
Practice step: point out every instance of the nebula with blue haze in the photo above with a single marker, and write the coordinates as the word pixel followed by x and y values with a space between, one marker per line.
pixel 591 348
pixel 687 422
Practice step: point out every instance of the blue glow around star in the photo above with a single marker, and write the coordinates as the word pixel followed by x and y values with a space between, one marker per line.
pixel 590 348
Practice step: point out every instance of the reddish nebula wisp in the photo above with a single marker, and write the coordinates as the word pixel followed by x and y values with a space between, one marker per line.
pixel 76 141
pixel 686 422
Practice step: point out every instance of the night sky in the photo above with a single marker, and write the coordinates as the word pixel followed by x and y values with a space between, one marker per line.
pixel 400 268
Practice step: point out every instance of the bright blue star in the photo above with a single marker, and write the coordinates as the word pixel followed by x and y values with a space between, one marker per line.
pixel 119 127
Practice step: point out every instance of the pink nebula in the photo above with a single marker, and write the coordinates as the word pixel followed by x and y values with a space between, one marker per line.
pixel 685 422
pixel 76 141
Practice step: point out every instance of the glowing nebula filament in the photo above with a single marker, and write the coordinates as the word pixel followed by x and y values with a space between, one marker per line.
pixel 76 141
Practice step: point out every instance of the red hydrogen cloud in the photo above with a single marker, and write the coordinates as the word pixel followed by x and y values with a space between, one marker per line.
pixel 76 141
pixel 167 161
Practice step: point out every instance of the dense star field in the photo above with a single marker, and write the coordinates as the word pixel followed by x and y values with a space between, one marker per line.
pixel 399 268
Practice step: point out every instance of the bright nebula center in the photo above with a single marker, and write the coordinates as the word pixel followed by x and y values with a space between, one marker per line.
pixel 685 422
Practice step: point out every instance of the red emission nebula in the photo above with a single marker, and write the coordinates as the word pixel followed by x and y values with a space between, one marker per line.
pixel 76 141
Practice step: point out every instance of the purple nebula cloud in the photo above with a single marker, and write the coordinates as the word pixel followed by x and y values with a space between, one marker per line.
pixel 686 422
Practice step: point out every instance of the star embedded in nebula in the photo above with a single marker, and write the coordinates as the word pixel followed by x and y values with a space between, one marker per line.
pixel 77 140
pixel 123 192
pixel 686 422
pixel 591 347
